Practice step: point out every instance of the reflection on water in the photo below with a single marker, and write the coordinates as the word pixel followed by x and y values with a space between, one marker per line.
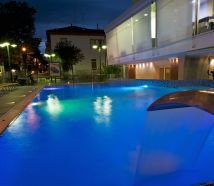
pixel 103 108
pixel 36 104
pixel 54 106
pixel 171 145
pixel 32 117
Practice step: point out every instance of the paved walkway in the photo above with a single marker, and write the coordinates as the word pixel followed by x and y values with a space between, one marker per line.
pixel 14 102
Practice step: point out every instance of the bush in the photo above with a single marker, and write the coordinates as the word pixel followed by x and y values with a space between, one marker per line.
pixel 113 69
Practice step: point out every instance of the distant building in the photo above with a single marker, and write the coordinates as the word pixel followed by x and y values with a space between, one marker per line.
pixel 164 39
pixel 84 39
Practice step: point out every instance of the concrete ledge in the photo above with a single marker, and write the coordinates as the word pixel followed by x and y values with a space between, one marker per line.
pixel 9 116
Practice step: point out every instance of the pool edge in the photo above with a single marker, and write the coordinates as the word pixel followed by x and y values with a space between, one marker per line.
pixel 9 116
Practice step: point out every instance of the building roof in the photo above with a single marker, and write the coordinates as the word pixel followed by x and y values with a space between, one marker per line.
pixel 75 30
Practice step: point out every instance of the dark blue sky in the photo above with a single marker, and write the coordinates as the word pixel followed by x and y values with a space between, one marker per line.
pixel 87 13
pixel 57 13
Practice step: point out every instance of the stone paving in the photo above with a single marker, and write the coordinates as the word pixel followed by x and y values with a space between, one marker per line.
pixel 14 102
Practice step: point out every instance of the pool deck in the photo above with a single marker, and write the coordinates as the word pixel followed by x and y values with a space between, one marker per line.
pixel 14 102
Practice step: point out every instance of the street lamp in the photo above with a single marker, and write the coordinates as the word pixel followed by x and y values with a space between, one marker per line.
pixel 24 57
pixel 24 49
pixel 50 56
pixel 100 47
pixel 7 45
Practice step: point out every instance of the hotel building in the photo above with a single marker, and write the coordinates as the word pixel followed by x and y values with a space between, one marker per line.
pixel 164 39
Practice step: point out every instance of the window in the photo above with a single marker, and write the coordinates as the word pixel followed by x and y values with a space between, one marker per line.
pixel 206 18
pixel 94 64
pixel 203 19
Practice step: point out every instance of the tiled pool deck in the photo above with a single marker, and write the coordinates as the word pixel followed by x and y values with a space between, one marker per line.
pixel 14 102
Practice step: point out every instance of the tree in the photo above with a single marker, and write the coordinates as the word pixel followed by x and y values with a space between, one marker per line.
pixel 113 69
pixel 17 22
pixel 18 26
pixel 69 54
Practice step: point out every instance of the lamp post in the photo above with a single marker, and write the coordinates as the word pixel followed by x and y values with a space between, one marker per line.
pixel 100 47
pixel 24 57
pixel 50 56
pixel 7 45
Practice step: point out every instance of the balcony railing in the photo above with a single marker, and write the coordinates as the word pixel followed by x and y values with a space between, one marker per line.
pixel 206 24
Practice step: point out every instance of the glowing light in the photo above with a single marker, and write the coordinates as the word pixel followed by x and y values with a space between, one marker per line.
pixel 22 96
pixel 103 108
pixel 94 46
pixel 212 63
pixel 53 105
pixel 13 70
pixel 206 91
pixel 36 104
pixel 51 88
pixel 193 1
pixel 104 47
pixel 143 65
pixel 47 55
pixel 14 45
pixel 146 14
pixel 4 44
pixel 11 103
pixel 24 49
pixel 145 86
pixel 153 20
pixel 136 20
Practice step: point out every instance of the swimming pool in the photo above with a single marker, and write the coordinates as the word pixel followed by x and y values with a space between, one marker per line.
pixel 87 135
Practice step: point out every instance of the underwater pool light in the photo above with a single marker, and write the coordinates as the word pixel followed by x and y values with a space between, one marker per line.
pixel 145 86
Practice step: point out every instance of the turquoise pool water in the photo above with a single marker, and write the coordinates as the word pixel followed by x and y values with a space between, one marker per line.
pixel 86 135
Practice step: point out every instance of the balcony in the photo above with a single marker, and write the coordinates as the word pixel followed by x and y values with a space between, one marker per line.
pixel 206 24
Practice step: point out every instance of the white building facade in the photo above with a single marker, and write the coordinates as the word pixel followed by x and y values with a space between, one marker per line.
pixel 164 39
pixel 85 39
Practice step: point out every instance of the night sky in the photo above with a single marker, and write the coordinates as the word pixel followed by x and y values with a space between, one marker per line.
pixel 86 13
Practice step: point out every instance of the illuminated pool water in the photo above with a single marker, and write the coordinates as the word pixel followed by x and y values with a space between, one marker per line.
pixel 87 136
